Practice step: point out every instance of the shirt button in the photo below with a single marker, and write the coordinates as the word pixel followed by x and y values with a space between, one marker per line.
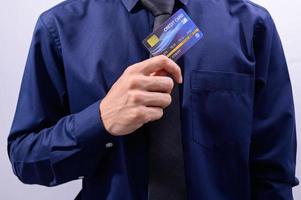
pixel 109 145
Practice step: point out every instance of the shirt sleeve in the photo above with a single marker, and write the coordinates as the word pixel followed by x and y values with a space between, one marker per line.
pixel 47 144
pixel 273 144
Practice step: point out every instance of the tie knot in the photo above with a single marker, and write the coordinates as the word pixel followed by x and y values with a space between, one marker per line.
pixel 159 7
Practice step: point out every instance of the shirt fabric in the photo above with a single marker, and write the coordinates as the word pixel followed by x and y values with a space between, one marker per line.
pixel 237 111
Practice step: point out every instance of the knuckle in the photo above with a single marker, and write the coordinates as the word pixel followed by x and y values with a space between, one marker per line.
pixel 168 99
pixel 169 83
pixel 129 69
pixel 147 118
pixel 160 113
pixel 161 57
pixel 137 113
pixel 133 82
pixel 135 97
pixel 164 60
pixel 156 114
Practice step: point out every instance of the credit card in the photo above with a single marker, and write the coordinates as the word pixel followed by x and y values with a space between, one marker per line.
pixel 174 37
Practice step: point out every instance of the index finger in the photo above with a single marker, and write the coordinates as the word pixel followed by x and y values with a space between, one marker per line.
pixel 162 62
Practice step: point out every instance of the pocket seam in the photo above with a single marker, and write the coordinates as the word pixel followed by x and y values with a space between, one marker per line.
pixel 246 78
pixel 216 81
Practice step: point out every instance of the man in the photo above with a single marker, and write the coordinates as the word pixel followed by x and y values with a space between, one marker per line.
pixel 92 103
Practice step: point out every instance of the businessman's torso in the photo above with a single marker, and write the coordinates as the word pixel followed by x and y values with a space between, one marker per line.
pixel 99 39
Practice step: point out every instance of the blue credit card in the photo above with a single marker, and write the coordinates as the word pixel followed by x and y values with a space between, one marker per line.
pixel 174 37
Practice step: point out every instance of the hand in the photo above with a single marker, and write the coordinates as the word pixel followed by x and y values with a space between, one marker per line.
pixel 139 95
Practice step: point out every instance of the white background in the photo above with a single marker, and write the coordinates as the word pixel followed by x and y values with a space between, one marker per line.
pixel 17 20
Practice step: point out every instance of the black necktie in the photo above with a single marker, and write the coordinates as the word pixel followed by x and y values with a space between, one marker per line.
pixel 166 168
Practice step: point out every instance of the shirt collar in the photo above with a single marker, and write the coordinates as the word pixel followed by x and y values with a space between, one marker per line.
pixel 130 4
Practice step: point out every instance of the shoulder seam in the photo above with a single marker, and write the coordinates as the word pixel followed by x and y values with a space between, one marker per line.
pixel 266 12
pixel 258 6
pixel 52 35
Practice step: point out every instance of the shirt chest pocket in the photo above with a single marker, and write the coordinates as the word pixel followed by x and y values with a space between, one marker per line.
pixel 221 109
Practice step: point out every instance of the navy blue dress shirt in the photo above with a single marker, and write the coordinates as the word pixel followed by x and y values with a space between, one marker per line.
pixel 239 135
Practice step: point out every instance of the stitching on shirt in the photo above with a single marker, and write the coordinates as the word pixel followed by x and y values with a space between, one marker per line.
pixel 53 37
